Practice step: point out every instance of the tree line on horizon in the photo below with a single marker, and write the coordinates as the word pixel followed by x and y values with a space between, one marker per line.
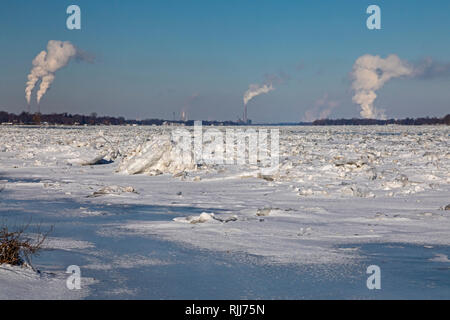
pixel 65 118
pixel 407 121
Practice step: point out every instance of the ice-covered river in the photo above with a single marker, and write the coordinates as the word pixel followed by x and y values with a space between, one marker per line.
pixel 141 224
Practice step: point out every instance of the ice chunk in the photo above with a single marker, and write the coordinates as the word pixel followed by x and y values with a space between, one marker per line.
pixel 88 158
pixel 440 258
pixel 113 190
pixel 263 212
pixel 203 217
pixel 155 157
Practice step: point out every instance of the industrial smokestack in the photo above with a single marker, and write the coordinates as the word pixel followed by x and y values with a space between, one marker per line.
pixel 183 116
pixel 245 114
pixel 253 91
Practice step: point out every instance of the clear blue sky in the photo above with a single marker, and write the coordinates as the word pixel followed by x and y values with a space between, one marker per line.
pixel 154 58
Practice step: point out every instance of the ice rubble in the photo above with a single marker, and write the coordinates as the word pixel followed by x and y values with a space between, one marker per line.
pixel 335 179
pixel 206 217
pixel 322 162
pixel 47 146
pixel 157 156
pixel 203 217
pixel 318 162
pixel 347 175
pixel 165 154
pixel 114 189
pixel 87 157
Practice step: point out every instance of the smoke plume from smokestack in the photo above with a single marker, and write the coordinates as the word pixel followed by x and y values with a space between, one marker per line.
pixel 369 74
pixel 45 64
pixel 321 110
pixel 255 90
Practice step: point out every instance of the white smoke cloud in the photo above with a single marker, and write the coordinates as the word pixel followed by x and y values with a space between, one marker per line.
pixel 45 64
pixel 321 110
pixel 255 90
pixel 268 85
pixel 188 104
pixel 369 74
pixel 270 80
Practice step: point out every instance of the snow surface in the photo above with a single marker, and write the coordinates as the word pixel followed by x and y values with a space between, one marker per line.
pixel 25 283
pixel 334 186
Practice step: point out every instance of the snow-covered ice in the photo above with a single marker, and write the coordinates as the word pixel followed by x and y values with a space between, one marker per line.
pixel 25 283
pixel 333 186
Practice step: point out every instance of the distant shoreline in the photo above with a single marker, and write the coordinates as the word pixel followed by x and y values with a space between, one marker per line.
pixel 28 119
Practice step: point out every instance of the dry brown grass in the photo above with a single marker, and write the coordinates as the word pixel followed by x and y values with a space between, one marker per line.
pixel 17 249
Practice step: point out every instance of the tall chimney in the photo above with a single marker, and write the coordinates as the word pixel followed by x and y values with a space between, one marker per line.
pixel 245 113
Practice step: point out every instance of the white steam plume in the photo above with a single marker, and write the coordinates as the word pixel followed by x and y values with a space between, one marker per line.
pixel 255 90
pixel 45 65
pixel 321 110
pixel 369 74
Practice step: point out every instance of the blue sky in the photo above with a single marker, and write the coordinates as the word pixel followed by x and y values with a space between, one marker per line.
pixel 154 58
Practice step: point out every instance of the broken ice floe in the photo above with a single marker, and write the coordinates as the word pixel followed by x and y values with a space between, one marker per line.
pixel 88 159
pixel 205 217
pixel 263 212
pixel 268 211
pixel 115 190
pixel 440 258
pixel 156 156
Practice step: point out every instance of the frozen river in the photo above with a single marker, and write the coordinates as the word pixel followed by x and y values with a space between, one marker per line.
pixel 341 199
